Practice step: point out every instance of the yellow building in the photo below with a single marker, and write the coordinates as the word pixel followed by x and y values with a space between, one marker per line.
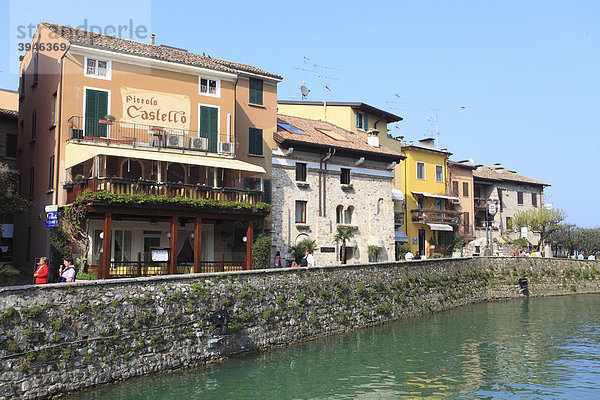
pixel 429 211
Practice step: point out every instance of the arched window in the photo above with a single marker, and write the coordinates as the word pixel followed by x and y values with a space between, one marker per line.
pixel 379 206
pixel 131 170
pixel 339 215
pixel 175 173
pixel 348 215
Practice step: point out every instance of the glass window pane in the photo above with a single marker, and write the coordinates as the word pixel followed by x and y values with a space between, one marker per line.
pixel 127 246
pixel 118 244
pixel 203 85
pixel 97 247
pixel 91 67
pixel 102 68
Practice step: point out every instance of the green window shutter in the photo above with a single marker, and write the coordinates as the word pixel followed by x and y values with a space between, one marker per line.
pixel 366 125
pixel 357 115
pixel 256 91
pixel 96 107
pixel 255 142
pixel 267 190
pixel 209 126
pixel 90 103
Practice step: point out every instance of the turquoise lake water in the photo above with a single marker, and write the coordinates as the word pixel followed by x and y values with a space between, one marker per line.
pixel 543 348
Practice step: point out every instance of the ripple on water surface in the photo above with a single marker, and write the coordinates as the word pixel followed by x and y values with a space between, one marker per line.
pixel 542 348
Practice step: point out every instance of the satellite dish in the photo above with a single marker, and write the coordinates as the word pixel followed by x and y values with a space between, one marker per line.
pixel 304 90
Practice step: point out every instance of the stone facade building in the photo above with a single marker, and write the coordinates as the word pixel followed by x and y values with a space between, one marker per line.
pixel 511 193
pixel 325 177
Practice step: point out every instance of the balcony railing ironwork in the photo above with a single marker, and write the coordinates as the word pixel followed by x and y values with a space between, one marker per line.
pixel 132 269
pixel 195 192
pixel 436 216
pixel 138 135
pixel 480 202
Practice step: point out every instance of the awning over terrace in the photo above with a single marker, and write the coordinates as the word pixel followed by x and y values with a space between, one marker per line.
pixel 440 227
pixel 436 196
pixel 76 153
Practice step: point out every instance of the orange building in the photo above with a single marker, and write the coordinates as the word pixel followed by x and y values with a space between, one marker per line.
pixel 460 177
pixel 101 117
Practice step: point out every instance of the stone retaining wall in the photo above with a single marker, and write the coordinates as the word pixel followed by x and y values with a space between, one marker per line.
pixel 63 337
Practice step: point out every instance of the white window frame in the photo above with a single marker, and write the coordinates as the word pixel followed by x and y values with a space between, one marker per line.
pixel 436 173
pixel 218 83
pixel 95 75
pixel 424 175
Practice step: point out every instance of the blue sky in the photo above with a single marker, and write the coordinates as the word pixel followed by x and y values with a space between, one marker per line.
pixel 526 73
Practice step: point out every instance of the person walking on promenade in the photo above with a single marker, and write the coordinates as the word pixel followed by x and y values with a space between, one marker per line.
pixel 67 271
pixel 41 273
pixel 277 261
pixel 310 259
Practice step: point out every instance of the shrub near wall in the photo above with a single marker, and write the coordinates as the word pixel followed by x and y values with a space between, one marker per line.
pixel 60 338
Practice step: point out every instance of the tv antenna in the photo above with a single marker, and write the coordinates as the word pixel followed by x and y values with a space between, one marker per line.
pixel 395 106
pixel 434 127
pixel 304 90
pixel 326 76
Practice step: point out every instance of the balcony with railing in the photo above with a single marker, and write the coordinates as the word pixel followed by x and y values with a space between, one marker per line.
pixel 129 134
pixel 480 203
pixel 171 190
pixel 426 215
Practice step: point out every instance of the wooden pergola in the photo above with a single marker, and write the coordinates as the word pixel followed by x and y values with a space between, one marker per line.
pixel 173 212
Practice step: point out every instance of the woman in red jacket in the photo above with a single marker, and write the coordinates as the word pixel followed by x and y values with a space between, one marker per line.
pixel 41 273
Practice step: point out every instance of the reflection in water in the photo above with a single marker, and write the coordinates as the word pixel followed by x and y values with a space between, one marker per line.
pixel 529 348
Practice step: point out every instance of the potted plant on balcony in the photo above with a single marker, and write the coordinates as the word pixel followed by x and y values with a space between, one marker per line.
pixel 229 190
pixel 177 185
pixel 119 181
pixel 144 182
pixel 347 187
pixel 80 179
pixel 203 188
pixel 108 120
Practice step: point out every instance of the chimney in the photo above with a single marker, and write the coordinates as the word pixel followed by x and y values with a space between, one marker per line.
pixel 428 143
pixel 152 38
pixel 373 137
pixel 444 149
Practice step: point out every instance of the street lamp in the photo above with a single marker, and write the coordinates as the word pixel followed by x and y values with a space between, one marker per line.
pixel 490 209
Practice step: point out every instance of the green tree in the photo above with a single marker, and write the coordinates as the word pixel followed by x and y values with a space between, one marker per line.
pixel 563 238
pixel 261 251
pixel 342 235
pixel 587 240
pixel 10 201
pixel 7 274
pixel 541 220
pixel 300 248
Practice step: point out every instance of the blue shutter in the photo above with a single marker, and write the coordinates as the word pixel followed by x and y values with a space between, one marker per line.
pixel 366 123
pixel 357 115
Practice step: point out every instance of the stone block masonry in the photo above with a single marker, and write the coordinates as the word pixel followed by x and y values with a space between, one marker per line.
pixel 59 338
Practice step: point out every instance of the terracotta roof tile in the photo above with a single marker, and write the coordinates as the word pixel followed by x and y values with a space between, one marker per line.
pixel 503 174
pixel 97 40
pixel 325 134
pixel 8 113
